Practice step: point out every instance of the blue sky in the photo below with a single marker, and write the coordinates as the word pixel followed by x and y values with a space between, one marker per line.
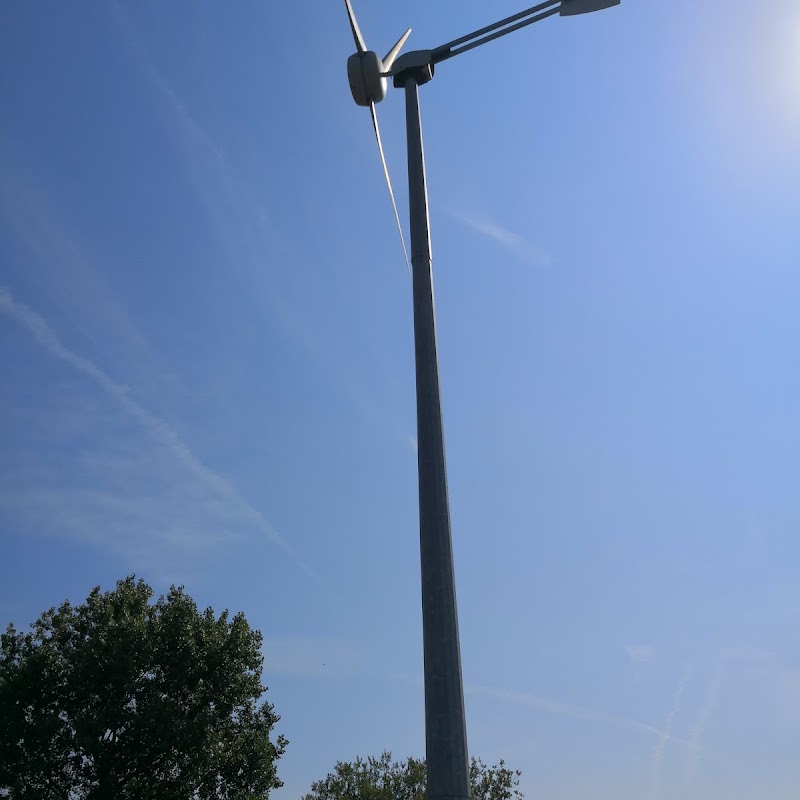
pixel 207 359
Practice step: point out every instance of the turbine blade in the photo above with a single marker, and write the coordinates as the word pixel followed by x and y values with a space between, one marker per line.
pixel 389 182
pixel 359 39
pixel 395 51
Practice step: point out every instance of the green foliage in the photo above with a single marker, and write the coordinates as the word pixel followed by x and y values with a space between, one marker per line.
pixel 384 779
pixel 493 783
pixel 123 698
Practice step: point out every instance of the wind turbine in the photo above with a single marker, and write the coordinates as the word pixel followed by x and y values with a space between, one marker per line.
pixel 368 74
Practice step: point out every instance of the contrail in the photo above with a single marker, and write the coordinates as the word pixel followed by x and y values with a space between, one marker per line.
pixel 666 734
pixel 156 427
pixel 508 239
pixel 696 736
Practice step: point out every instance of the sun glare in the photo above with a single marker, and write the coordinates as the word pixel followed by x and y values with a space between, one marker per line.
pixel 778 78
pixel 790 82
pixel 795 54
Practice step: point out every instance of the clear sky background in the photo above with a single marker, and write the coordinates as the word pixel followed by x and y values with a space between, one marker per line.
pixel 207 368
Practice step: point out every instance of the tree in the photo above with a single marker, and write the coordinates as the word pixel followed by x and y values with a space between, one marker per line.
pixel 126 699
pixel 384 779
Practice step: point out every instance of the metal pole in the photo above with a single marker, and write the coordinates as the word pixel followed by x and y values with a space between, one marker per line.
pixel 445 724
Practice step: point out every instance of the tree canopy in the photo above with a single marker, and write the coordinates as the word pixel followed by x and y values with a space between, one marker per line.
pixel 383 779
pixel 123 698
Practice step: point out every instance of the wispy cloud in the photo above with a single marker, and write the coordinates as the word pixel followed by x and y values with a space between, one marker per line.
pixel 215 488
pixel 294 301
pixel 67 274
pixel 571 710
pixel 666 733
pixel 640 654
pixel 511 241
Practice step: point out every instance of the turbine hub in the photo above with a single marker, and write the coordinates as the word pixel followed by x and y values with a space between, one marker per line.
pixel 365 73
